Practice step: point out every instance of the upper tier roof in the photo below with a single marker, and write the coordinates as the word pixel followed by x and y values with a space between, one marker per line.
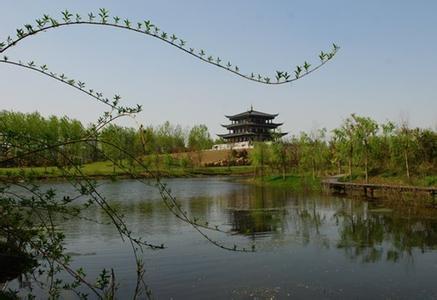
pixel 252 124
pixel 252 113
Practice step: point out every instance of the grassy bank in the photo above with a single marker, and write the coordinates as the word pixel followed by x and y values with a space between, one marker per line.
pixel 107 170
pixel 292 182
pixel 394 179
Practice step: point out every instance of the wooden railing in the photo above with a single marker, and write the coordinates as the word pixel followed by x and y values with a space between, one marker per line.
pixel 369 188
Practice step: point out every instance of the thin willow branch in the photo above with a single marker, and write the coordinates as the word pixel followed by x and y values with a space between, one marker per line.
pixel 90 93
pixel 282 77
pixel 165 193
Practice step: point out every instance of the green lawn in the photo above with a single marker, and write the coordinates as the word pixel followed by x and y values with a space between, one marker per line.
pixel 394 179
pixel 106 169
pixel 293 182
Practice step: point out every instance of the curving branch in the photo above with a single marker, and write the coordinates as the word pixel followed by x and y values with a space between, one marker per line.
pixel 149 29
pixel 79 85
pixel 73 172
pixel 169 200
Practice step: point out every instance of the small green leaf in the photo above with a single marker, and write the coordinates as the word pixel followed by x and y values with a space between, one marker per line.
pixel 40 23
pixel 322 56
pixel 66 16
pixel 20 33
pixel 91 17
pixel 29 28
pixel 148 25
pixel 104 14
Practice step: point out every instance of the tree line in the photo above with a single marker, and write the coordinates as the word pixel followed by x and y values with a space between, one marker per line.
pixel 359 146
pixel 31 130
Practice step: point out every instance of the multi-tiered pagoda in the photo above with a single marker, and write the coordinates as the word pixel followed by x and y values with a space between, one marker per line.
pixel 251 126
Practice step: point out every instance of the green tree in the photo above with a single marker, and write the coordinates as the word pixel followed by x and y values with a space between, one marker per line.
pixel 344 140
pixel 404 144
pixel 313 150
pixel 280 157
pixel 199 138
pixel 365 131
pixel 260 156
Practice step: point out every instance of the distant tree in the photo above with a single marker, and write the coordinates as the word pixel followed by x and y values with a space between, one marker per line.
pixel 149 140
pixel 365 131
pixel 313 150
pixel 170 138
pixel 199 138
pixel 427 144
pixel 113 134
pixel 382 151
pixel 280 158
pixel 345 139
pixel 260 156
pixel 404 143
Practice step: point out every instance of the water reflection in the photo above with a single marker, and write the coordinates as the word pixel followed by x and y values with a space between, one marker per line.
pixel 302 241
pixel 262 214
pixel 257 211
pixel 371 237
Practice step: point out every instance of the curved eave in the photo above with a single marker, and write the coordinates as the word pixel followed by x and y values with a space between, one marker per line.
pixel 231 135
pixel 269 125
pixel 252 113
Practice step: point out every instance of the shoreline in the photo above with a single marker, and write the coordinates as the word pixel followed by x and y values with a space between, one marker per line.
pixel 296 182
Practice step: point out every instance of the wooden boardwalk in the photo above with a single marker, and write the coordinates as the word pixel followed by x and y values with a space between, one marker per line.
pixel 332 184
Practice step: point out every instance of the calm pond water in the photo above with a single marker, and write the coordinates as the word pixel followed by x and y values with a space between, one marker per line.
pixel 307 246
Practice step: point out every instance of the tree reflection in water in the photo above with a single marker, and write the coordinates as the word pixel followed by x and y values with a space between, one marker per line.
pixel 373 236
pixel 273 218
pixel 363 233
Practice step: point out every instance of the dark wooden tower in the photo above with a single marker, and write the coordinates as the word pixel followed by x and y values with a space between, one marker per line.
pixel 251 126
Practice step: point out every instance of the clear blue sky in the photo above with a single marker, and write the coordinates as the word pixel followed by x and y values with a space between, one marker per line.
pixel 386 69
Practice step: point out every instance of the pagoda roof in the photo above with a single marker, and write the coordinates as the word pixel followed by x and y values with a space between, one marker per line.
pixel 231 135
pixel 251 113
pixel 266 125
